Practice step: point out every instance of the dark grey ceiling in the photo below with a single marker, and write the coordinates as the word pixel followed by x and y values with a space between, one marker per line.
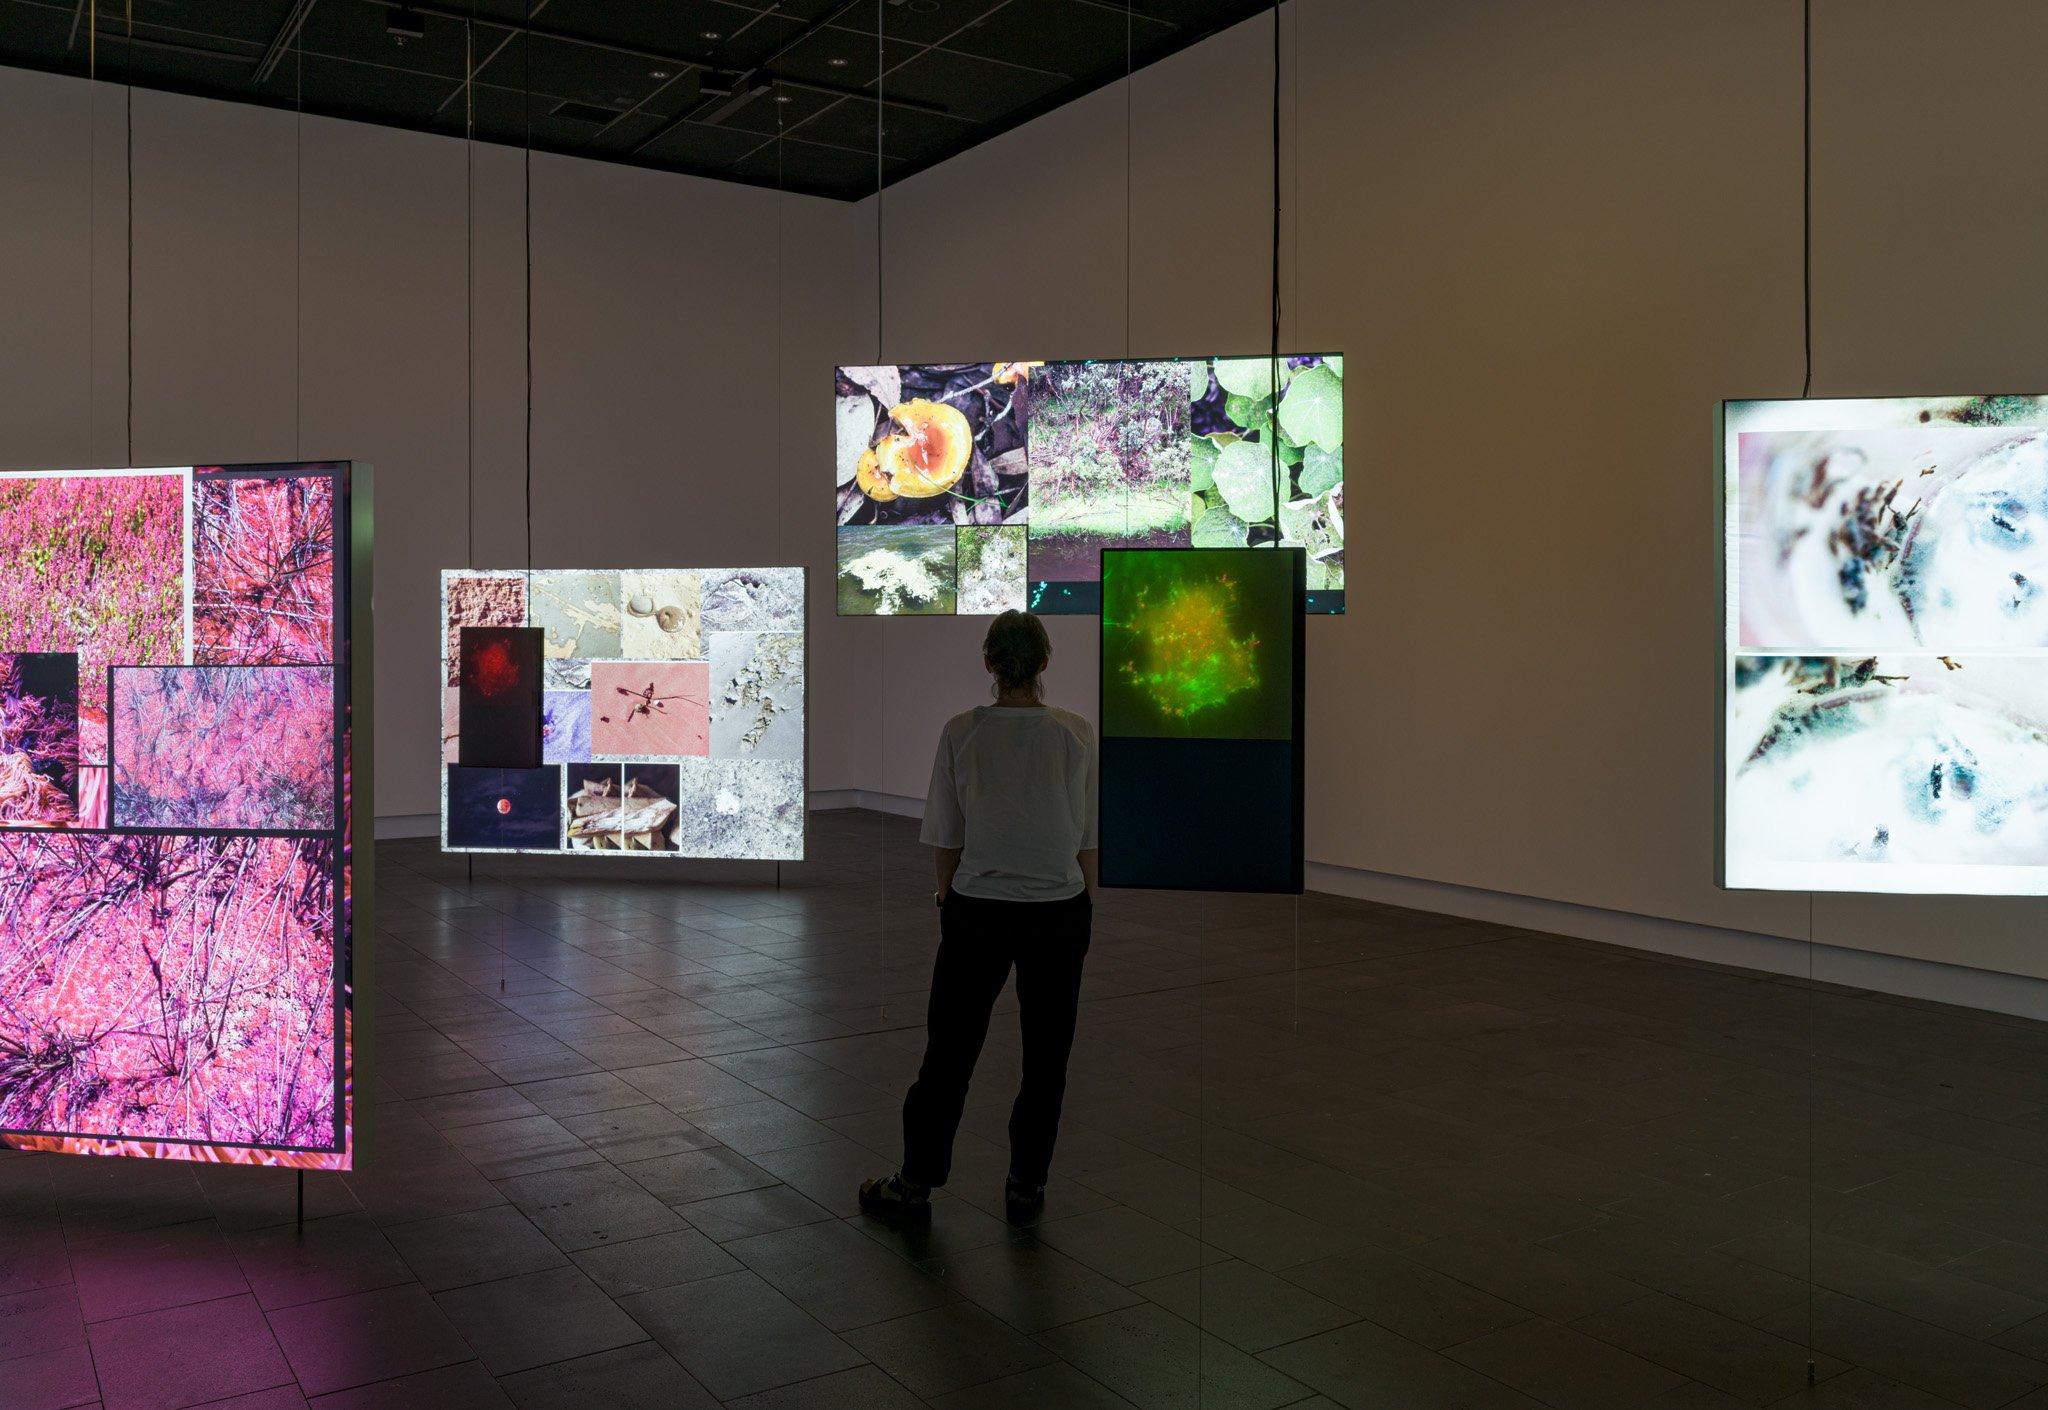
pixel 773 94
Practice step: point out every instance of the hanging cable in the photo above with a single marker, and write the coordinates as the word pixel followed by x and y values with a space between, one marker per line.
pixel 883 627
pixel 1273 428
pixel 1806 189
pixel 879 76
pixel 92 228
pixel 781 101
pixel 129 178
pixel 469 271
pixel 1806 390
pixel 527 48
pixel 298 244
pixel 469 344
pixel 92 221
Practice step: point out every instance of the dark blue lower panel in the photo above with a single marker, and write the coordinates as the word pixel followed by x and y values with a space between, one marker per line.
pixel 1201 814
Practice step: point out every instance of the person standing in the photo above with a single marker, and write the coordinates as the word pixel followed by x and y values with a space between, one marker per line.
pixel 1011 819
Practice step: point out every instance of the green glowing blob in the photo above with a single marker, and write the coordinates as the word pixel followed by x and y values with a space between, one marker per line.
pixel 1198 643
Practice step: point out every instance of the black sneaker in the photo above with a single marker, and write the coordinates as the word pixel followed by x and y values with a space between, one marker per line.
pixel 893 1197
pixel 1022 1202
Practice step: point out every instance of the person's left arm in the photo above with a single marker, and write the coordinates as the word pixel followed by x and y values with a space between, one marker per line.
pixel 947 860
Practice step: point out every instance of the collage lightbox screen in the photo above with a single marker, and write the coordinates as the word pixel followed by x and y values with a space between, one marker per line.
pixel 176 854
pixel 638 712
pixel 973 488
pixel 1885 663
pixel 1201 718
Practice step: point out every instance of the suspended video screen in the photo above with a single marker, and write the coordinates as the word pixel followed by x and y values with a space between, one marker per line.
pixel 640 712
pixel 973 488
pixel 1202 696
pixel 176 851
pixel 1885 681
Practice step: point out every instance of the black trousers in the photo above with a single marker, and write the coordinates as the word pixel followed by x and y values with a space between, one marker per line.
pixel 979 942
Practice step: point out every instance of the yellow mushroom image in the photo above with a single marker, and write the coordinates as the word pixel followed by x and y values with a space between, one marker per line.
pixel 1009 374
pixel 870 479
pixel 926 457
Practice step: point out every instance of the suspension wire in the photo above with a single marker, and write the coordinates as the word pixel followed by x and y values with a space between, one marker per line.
pixel 1806 189
pixel 526 192
pixel 781 202
pixel 469 343
pixel 469 269
pixel 298 243
pixel 92 205
pixel 1273 430
pixel 1806 390
pixel 527 49
pixel 881 627
pixel 128 76
pixel 92 228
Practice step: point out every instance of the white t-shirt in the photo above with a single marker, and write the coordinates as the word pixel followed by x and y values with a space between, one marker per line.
pixel 1014 789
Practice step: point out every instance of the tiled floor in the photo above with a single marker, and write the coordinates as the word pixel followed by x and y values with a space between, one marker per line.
pixel 1328 1155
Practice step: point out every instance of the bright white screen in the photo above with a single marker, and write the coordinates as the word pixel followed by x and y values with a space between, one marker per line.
pixel 1885 686
pixel 672 714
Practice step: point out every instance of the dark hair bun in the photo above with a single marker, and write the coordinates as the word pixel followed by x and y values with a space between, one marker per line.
pixel 1017 647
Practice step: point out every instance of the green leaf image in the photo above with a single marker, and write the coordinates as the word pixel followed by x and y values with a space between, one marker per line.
pixel 1252 414
pixel 1313 409
pixel 1321 470
pixel 1202 464
pixel 1198 379
pixel 1219 528
pixel 1247 377
pixel 1315 524
pixel 1335 364
pixel 1244 474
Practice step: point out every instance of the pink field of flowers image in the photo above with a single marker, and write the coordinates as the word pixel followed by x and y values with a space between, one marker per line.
pixel 92 797
pixel 262 571
pixel 242 747
pixel 93 564
pixel 38 739
pixel 167 988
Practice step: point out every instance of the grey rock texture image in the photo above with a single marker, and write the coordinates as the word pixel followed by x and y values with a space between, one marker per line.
pixel 753 599
pixel 757 695
pixel 741 808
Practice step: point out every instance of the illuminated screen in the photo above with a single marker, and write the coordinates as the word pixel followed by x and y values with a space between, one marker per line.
pixel 1885 632
pixel 1201 716
pixel 972 488
pixel 1196 644
pixel 636 712
pixel 175 844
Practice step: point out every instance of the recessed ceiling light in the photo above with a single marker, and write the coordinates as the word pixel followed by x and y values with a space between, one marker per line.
pixel 657 73
pixel 709 34
pixel 784 98
pixel 837 63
